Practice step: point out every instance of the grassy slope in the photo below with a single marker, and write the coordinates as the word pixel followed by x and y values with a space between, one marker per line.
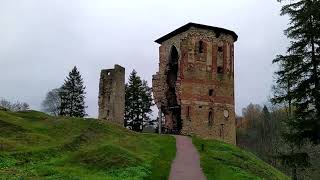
pixel 34 145
pixel 223 161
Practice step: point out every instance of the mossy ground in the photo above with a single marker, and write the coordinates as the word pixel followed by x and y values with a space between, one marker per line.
pixel 221 161
pixel 34 145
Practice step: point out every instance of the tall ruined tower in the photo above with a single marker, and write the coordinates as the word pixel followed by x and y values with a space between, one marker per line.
pixel 112 94
pixel 195 84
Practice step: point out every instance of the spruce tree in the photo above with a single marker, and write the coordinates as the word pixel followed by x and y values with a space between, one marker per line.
pixel 298 81
pixel 300 68
pixel 72 95
pixel 138 102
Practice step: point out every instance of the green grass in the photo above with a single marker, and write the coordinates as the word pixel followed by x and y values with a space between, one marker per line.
pixel 34 145
pixel 221 161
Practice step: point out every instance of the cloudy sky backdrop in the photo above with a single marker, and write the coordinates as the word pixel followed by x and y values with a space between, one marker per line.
pixel 41 40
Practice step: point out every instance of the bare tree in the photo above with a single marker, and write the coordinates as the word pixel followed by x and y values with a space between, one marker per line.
pixel 25 106
pixel 5 104
pixel 17 106
pixel 51 104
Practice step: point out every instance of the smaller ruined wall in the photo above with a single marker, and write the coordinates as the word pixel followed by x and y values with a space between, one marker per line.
pixel 112 94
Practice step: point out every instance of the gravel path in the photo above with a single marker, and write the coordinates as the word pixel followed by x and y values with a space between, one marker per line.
pixel 186 165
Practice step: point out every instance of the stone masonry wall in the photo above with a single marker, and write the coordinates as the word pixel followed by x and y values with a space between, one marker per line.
pixel 112 94
pixel 205 83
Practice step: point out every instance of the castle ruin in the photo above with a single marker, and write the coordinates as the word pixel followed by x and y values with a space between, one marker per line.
pixel 194 87
pixel 112 94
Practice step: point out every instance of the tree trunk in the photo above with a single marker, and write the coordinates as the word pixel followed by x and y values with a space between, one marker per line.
pixel 294 174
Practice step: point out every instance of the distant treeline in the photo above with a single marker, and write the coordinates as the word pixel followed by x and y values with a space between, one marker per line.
pixel 260 130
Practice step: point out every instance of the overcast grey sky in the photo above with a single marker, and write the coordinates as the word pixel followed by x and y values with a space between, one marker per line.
pixel 41 41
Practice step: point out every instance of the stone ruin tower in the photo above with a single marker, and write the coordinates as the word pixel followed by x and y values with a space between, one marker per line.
pixel 112 94
pixel 194 87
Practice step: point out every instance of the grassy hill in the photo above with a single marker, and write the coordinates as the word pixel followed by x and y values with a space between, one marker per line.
pixel 34 145
pixel 221 161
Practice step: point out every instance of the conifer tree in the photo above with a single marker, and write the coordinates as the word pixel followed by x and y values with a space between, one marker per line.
pixel 72 95
pixel 298 80
pixel 300 67
pixel 138 102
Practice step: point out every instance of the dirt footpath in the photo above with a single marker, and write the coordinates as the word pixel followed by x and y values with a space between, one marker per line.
pixel 186 165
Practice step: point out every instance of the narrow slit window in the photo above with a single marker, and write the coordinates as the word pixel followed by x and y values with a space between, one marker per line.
pixel 221 133
pixel 200 47
pixel 210 118
pixel 188 112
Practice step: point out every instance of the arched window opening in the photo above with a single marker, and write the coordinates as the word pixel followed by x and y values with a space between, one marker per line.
pixel 174 56
pixel 220 49
pixel 172 72
pixel 173 108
